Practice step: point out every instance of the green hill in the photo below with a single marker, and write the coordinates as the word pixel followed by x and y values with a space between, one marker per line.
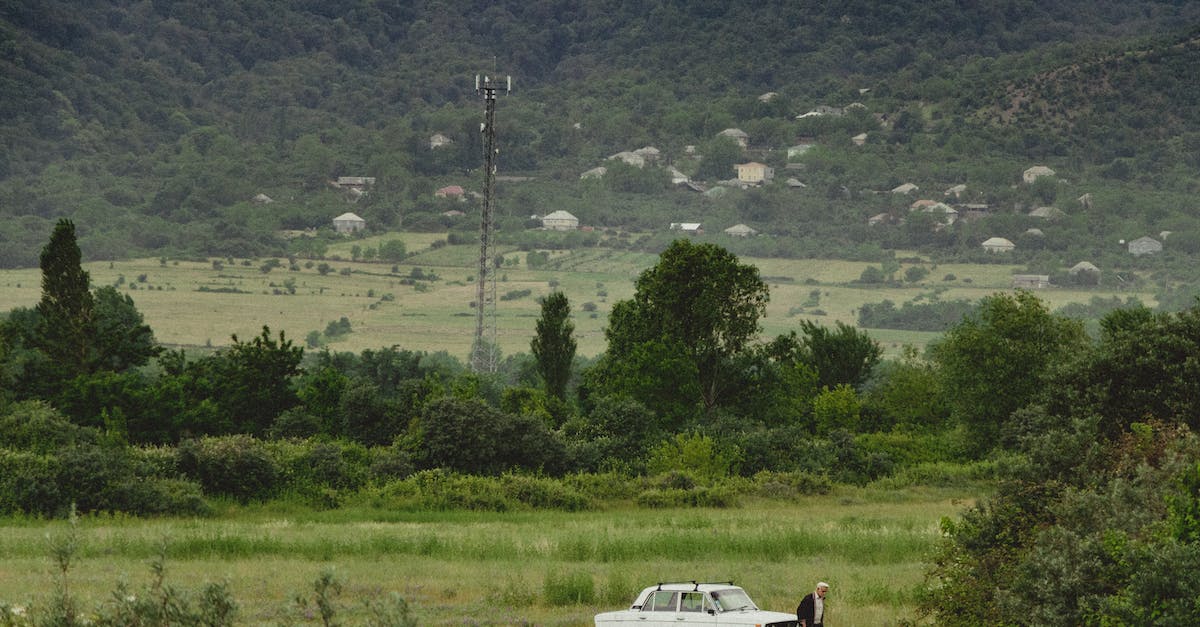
pixel 154 124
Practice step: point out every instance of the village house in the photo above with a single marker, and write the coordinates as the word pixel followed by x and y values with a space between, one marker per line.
pixel 1145 246
pixel 691 228
pixel 348 223
pixel 1048 213
pixel 754 172
pixel 737 135
pixel 1083 266
pixel 437 140
pixel 740 230
pixel 1036 172
pixel 560 221
pixel 594 173
pixel 906 188
pixel 451 191
pixel 998 245
pixel 649 154
pixel 1030 281
pixel 631 158
pixel 360 183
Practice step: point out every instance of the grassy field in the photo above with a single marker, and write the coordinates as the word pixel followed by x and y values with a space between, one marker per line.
pixel 437 315
pixel 464 568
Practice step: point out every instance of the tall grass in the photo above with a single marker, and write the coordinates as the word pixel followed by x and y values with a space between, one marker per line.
pixel 538 567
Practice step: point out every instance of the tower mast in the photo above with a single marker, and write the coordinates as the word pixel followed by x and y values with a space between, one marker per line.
pixel 484 349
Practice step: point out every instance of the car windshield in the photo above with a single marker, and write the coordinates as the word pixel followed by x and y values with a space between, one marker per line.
pixel 732 599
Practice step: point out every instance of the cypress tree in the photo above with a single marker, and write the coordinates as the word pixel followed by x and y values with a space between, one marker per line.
pixel 67 310
pixel 553 346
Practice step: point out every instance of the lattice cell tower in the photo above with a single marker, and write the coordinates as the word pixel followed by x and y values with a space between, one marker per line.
pixel 484 350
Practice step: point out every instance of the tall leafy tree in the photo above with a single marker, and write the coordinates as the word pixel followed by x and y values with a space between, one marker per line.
pixel 123 340
pixel 841 356
pixel 997 360
pixel 675 343
pixel 67 323
pixel 554 344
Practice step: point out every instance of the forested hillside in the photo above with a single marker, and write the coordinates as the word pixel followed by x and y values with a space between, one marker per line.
pixel 154 124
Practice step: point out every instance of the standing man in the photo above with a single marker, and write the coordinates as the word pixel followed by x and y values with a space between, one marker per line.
pixel 811 611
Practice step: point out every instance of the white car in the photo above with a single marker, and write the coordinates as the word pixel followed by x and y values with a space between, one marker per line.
pixel 694 603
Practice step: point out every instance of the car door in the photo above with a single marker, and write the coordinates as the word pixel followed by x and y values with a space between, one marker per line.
pixel 659 609
pixel 695 609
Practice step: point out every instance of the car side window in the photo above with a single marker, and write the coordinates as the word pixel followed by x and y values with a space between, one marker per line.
pixel 692 602
pixel 661 601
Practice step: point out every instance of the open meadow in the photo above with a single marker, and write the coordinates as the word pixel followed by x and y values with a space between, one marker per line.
pixel 515 568
pixel 426 302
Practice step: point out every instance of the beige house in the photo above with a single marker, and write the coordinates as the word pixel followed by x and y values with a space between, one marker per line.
pixel 359 183
pixel 560 221
pixel 632 158
pixel 1048 213
pixel 906 188
pixel 1036 172
pixel 1145 246
pixel 754 172
pixel 437 140
pixel 348 223
pixel 740 230
pixel 998 245
pixel 737 135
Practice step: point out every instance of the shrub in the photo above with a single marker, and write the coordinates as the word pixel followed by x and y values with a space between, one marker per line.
pixel 237 466
pixel 390 462
pixel 29 484
pixel 791 484
pixel 161 497
pixel 37 427
pixel 544 493
pixel 695 453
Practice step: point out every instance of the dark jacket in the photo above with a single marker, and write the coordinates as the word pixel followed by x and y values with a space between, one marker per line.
pixel 807 609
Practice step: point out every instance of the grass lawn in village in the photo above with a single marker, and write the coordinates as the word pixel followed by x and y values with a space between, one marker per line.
pixel 197 303
pixel 521 567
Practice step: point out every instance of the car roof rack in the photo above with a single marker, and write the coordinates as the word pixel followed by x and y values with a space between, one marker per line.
pixel 695 584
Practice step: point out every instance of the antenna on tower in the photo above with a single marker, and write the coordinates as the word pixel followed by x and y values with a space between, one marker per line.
pixel 484 350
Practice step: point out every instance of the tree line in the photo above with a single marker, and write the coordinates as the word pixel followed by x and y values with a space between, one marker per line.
pixel 1091 436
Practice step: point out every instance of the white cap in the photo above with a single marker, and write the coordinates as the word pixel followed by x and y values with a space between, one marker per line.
pixel 822 584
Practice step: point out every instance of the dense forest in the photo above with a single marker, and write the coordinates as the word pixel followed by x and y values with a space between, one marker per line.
pixel 154 124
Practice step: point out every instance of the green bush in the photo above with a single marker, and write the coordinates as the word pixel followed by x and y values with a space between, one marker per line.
pixel 658 498
pixel 791 484
pixel 697 454
pixel 388 463
pixel 602 486
pixel 29 484
pixel 939 474
pixel 37 427
pixel 544 493
pixel 95 478
pixel 162 497
pixel 237 466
